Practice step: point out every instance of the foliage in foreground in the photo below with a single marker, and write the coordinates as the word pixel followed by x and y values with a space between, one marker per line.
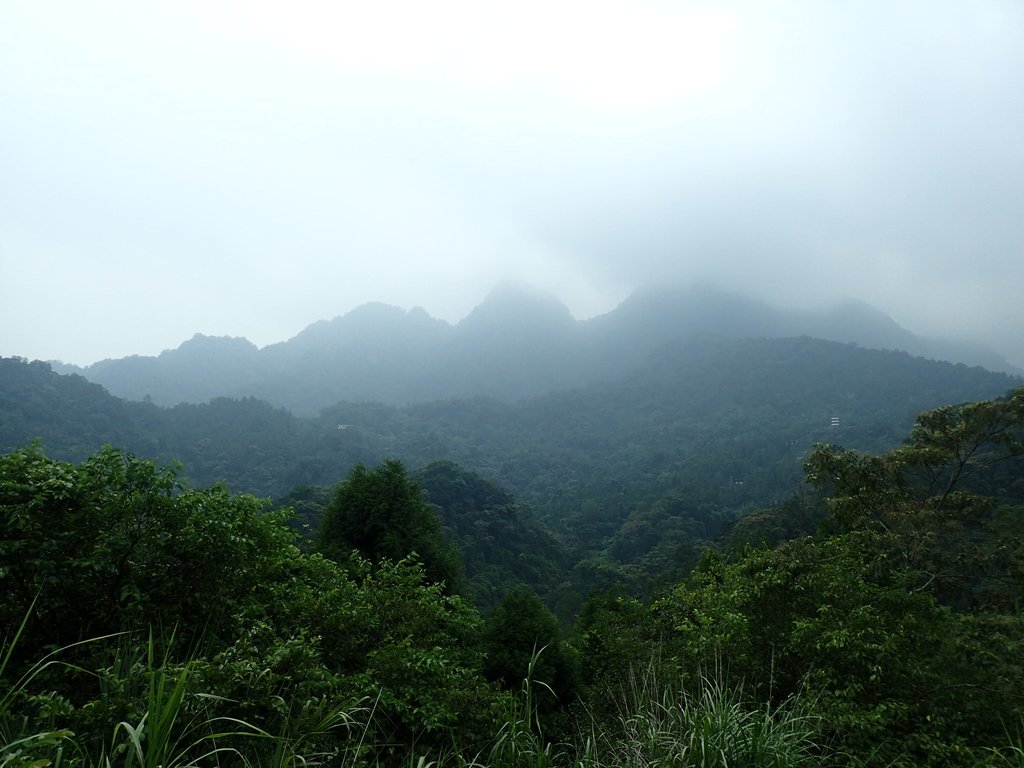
pixel 707 725
pixel 247 628
pixel 902 621
pixel 148 623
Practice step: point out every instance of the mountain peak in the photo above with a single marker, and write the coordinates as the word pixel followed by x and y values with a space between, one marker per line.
pixel 367 324
pixel 518 305
pixel 202 341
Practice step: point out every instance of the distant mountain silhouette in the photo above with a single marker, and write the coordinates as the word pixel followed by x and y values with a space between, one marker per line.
pixel 657 315
pixel 518 342
pixel 201 368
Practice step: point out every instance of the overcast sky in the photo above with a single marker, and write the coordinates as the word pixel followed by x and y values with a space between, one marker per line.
pixel 247 168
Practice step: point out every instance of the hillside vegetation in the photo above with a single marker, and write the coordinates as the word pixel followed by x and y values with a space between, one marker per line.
pixel 610 544
pixel 151 623
pixel 632 477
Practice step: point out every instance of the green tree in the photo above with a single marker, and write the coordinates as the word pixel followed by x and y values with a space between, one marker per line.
pixel 499 543
pixel 232 608
pixel 890 670
pixel 116 541
pixel 519 629
pixel 939 510
pixel 901 619
pixel 381 514
pixel 617 641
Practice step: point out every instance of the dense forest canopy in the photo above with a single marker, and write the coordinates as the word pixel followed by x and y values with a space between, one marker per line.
pixel 142 615
pixel 631 476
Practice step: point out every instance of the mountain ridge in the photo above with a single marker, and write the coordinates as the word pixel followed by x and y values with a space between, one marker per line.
pixel 518 342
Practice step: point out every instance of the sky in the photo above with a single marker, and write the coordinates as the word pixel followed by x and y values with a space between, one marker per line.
pixel 248 167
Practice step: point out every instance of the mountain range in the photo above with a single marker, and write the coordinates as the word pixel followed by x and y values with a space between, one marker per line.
pixel 517 343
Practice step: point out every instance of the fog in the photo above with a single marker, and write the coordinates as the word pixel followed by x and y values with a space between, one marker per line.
pixel 245 169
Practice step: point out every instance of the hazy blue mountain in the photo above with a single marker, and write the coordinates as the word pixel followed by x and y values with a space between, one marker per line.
pixel 710 408
pixel 656 315
pixel 201 368
pixel 375 352
pixel 516 313
pixel 651 317
pixel 633 471
pixel 517 343
pixel 857 322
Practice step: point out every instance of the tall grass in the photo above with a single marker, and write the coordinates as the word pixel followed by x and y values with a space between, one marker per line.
pixel 520 742
pixel 657 726
pixel 1011 755
pixel 709 724
pixel 1008 757
pixel 27 740
pixel 306 733
pixel 172 730
pixel 158 739
pixel 710 727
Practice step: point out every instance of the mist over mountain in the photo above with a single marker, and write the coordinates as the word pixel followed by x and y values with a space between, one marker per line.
pixel 701 411
pixel 632 474
pixel 518 342
pixel 635 471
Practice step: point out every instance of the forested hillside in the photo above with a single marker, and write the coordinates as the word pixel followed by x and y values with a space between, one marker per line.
pixel 632 477
pixel 146 622
pixel 722 410
pixel 422 556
